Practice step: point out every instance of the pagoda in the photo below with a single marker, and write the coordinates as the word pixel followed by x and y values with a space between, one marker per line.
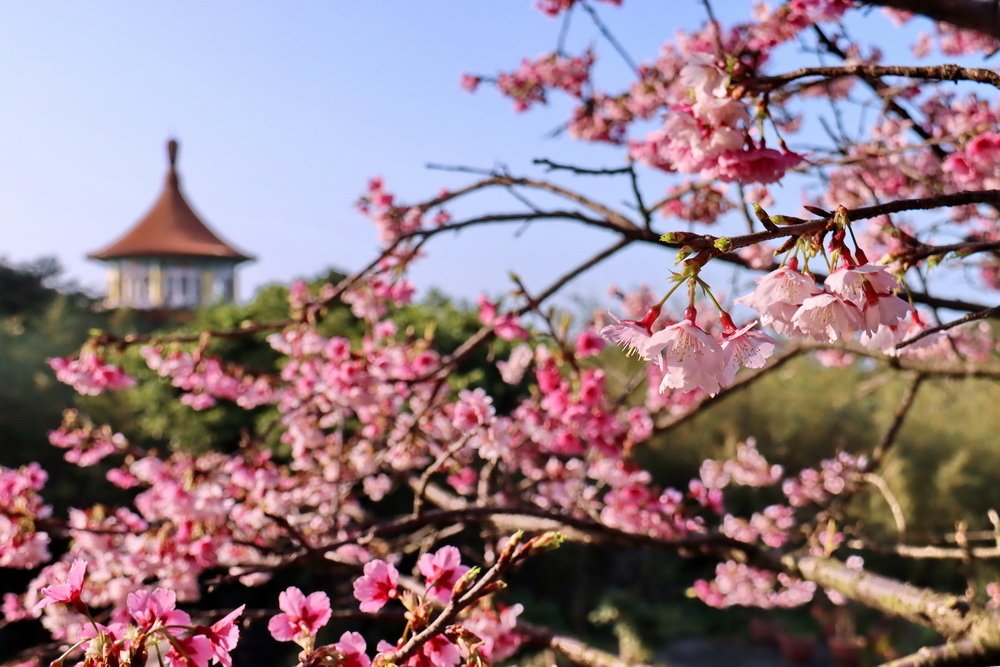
pixel 170 259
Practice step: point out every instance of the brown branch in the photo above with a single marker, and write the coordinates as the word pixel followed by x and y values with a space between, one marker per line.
pixel 425 477
pixel 962 652
pixel 979 16
pixel 949 615
pixel 983 314
pixel 889 436
pixel 932 73
pixel 744 382
pixel 550 165
pixel 883 91
pixel 570 648
pixel 890 499
pixel 963 249
pixel 926 552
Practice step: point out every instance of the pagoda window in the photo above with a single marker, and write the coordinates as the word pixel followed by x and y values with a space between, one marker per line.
pixel 135 285
pixel 181 287
pixel 223 284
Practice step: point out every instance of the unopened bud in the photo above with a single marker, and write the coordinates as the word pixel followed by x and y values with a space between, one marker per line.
pixel 466 582
pixel 677 237
pixel 816 210
pixel 723 244
pixel 510 547
pixel 840 217
pixel 491 588
pixel 684 253
pixel 545 542
pixel 762 216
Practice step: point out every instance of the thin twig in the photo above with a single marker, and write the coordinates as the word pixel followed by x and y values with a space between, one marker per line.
pixel 984 314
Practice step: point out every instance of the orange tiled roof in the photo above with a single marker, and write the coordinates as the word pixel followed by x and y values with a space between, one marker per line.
pixel 171 228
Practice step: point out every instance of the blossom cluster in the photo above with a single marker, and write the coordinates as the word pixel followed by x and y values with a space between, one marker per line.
pixel 149 627
pixel 739 584
pixel 205 379
pixel 89 374
pixel 689 356
pixel 857 298
pixel 484 634
pixel 21 507
pixel 85 443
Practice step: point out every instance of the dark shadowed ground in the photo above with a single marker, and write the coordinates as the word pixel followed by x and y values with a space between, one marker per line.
pixel 735 653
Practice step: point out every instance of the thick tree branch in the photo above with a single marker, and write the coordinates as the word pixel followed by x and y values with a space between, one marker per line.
pixel 933 73
pixel 980 16
pixel 570 648
pixel 949 615
pixel 953 654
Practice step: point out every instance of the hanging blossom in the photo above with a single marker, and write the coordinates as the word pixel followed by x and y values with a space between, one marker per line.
pixel 757 165
pixel 690 356
pixel 858 298
pixel 21 507
pixel 89 374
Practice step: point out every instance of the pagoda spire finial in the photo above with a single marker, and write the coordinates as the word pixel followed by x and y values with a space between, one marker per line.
pixel 172 148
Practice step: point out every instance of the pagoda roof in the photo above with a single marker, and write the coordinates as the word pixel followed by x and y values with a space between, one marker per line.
pixel 171 228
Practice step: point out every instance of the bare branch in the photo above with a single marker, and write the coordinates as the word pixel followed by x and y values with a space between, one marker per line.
pixel 962 652
pixel 571 648
pixel 983 314
pixel 933 73
pixel 949 615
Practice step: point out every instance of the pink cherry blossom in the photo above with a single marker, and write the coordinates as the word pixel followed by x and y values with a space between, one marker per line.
pixel 759 165
pixel 588 343
pixel 377 586
pixel 827 317
pixel 506 325
pixel 469 83
pixel 352 649
pixel 691 358
pixel 512 370
pixel 744 347
pixel 883 310
pixel 67 592
pixel 224 635
pixel 442 570
pixel 88 374
pixel 156 608
pixel 190 651
pixel 778 296
pixel 630 335
pixel 850 284
pixel 301 616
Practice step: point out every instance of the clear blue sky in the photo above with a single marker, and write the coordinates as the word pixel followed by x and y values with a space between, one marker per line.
pixel 283 111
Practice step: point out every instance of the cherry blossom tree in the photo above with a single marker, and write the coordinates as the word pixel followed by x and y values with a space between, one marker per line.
pixel 889 212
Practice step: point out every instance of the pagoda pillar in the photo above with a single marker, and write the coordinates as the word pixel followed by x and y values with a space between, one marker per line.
pixel 114 286
pixel 207 277
pixel 155 284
